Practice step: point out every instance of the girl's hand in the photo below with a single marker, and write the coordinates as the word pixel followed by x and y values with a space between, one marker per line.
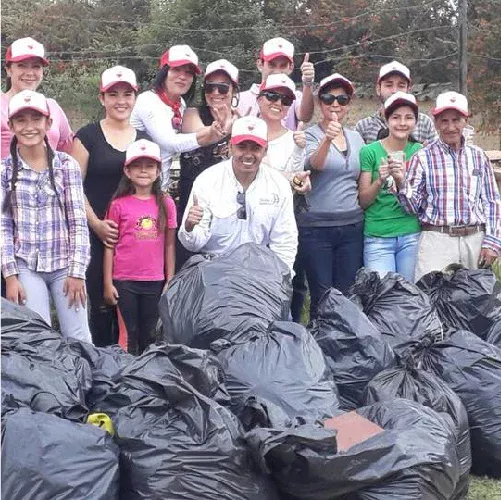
pixel 384 171
pixel 14 291
pixel 299 136
pixel 164 289
pixel 111 295
pixel 333 129
pixel 74 289
pixel 107 231
pixel 223 120
pixel 397 170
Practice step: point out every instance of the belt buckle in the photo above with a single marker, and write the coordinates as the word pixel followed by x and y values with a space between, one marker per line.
pixel 456 230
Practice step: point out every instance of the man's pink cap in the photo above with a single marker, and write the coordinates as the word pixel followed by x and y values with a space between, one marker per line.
pixel 277 47
pixel 28 99
pixel 24 48
pixel 179 55
pixel 451 100
pixel 142 149
pixel 249 128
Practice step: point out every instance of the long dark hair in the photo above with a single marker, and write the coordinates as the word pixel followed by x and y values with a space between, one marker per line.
pixel 126 188
pixel 159 84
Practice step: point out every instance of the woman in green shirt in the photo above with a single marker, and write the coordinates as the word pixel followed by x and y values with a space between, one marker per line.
pixel 390 234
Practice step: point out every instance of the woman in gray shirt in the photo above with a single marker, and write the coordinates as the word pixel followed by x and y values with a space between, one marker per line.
pixel 331 231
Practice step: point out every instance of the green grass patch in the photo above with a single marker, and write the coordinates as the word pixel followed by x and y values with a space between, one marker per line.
pixel 484 489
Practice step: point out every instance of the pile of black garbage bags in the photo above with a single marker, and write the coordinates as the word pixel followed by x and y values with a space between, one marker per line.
pixel 393 392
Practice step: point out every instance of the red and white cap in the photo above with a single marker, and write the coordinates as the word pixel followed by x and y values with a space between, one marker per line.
pixel 179 55
pixel 24 48
pixel 117 74
pixel 142 149
pixel 400 99
pixel 451 100
pixel 277 47
pixel 249 128
pixel 28 99
pixel 394 67
pixel 224 66
pixel 279 81
pixel 337 78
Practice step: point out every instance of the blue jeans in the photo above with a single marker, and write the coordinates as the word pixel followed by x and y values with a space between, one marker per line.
pixel 331 257
pixel 397 254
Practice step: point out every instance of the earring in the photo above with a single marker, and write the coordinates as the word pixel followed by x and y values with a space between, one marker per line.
pixel 235 100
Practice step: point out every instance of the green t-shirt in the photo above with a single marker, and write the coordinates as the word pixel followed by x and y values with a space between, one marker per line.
pixel 386 218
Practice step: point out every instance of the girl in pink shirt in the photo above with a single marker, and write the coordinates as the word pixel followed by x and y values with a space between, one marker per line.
pixel 139 267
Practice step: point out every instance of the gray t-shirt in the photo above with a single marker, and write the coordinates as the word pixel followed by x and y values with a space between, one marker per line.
pixel 333 199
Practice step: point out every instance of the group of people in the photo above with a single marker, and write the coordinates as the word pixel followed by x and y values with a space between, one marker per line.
pixel 89 213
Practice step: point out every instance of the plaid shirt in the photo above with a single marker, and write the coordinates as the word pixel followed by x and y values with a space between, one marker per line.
pixel 448 188
pixel 35 229
pixel 369 128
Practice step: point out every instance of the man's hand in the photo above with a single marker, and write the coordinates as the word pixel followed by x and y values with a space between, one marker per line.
pixel 487 258
pixel 301 182
pixel 74 289
pixel 107 231
pixel 307 70
pixel 195 215
pixel 14 291
pixel 299 136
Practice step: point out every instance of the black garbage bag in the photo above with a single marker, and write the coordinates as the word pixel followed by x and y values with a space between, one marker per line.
pixel 466 299
pixel 424 387
pixel 45 457
pixel 416 452
pixel 226 297
pixel 472 369
pixel 494 335
pixel 277 377
pixel 176 442
pixel 354 349
pixel 398 309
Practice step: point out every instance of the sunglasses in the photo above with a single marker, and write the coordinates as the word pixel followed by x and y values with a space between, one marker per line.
pixel 275 97
pixel 241 212
pixel 329 99
pixel 222 88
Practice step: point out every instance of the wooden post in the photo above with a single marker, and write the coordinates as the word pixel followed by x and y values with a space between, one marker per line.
pixel 463 45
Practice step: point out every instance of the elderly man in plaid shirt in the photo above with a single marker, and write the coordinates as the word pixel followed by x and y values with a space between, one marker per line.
pixel 450 186
pixel 393 77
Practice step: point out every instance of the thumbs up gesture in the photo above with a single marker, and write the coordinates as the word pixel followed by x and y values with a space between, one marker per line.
pixel 195 214
pixel 334 128
pixel 307 70
pixel 299 136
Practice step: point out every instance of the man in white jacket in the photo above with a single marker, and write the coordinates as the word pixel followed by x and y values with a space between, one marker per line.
pixel 238 201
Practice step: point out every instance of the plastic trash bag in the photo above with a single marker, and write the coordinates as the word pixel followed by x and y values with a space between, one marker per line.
pixel 494 335
pixel 45 457
pixel 472 369
pixel 399 309
pixel 427 389
pixel 467 299
pixel 226 297
pixel 354 349
pixel 416 452
pixel 277 377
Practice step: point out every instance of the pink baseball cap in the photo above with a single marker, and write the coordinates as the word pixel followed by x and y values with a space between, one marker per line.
pixel 337 78
pixel 249 128
pixel 117 74
pixel 277 47
pixel 279 81
pixel 28 99
pixel 394 67
pixel 224 66
pixel 179 55
pixel 400 99
pixel 24 48
pixel 142 149
pixel 451 100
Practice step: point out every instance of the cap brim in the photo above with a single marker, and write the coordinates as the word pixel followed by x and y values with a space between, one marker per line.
pixel 342 83
pixel 394 72
pixel 183 62
pixel 45 62
pixel 437 111
pixel 401 102
pixel 44 112
pixel 220 70
pixel 287 90
pixel 134 158
pixel 238 139
pixel 270 57
pixel 108 87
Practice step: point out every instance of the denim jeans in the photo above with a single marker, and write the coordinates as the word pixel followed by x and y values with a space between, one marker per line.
pixel 396 254
pixel 38 286
pixel 332 257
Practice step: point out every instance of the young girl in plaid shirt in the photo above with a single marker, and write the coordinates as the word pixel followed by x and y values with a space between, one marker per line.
pixel 45 240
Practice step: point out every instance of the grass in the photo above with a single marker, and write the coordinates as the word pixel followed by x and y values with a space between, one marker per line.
pixel 484 489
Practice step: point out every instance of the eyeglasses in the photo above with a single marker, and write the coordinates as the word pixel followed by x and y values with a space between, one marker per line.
pixel 176 123
pixel 275 97
pixel 222 88
pixel 241 212
pixel 329 99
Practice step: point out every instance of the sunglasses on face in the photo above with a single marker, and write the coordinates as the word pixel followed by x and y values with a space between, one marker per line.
pixel 275 97
pixel 329 99
pixel 222 88
pixel 241 212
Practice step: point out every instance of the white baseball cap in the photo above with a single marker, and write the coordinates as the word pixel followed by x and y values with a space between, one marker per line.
pixel 117 74
pixel 279 81
pixel 179 55
pixel 400 99
pixel 394 67
pixel 249 128
pixel 337 78
pixel 142 149
pixel 451 100
pixel 224 66
pixel 24 48
pixel 277 47
pixel 28 99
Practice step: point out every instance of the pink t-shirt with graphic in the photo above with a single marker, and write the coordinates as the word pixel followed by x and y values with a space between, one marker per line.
pixel 140 251
pixel 60 134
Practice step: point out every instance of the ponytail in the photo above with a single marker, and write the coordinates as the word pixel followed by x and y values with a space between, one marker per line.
pixel 15 171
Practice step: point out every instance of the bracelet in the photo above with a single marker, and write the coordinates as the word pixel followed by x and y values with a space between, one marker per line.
pixel 308 83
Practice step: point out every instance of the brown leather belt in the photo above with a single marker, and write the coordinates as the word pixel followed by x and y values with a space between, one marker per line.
pixel 455 230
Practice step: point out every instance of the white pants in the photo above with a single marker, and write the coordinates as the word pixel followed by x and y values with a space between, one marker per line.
pixel 437 250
